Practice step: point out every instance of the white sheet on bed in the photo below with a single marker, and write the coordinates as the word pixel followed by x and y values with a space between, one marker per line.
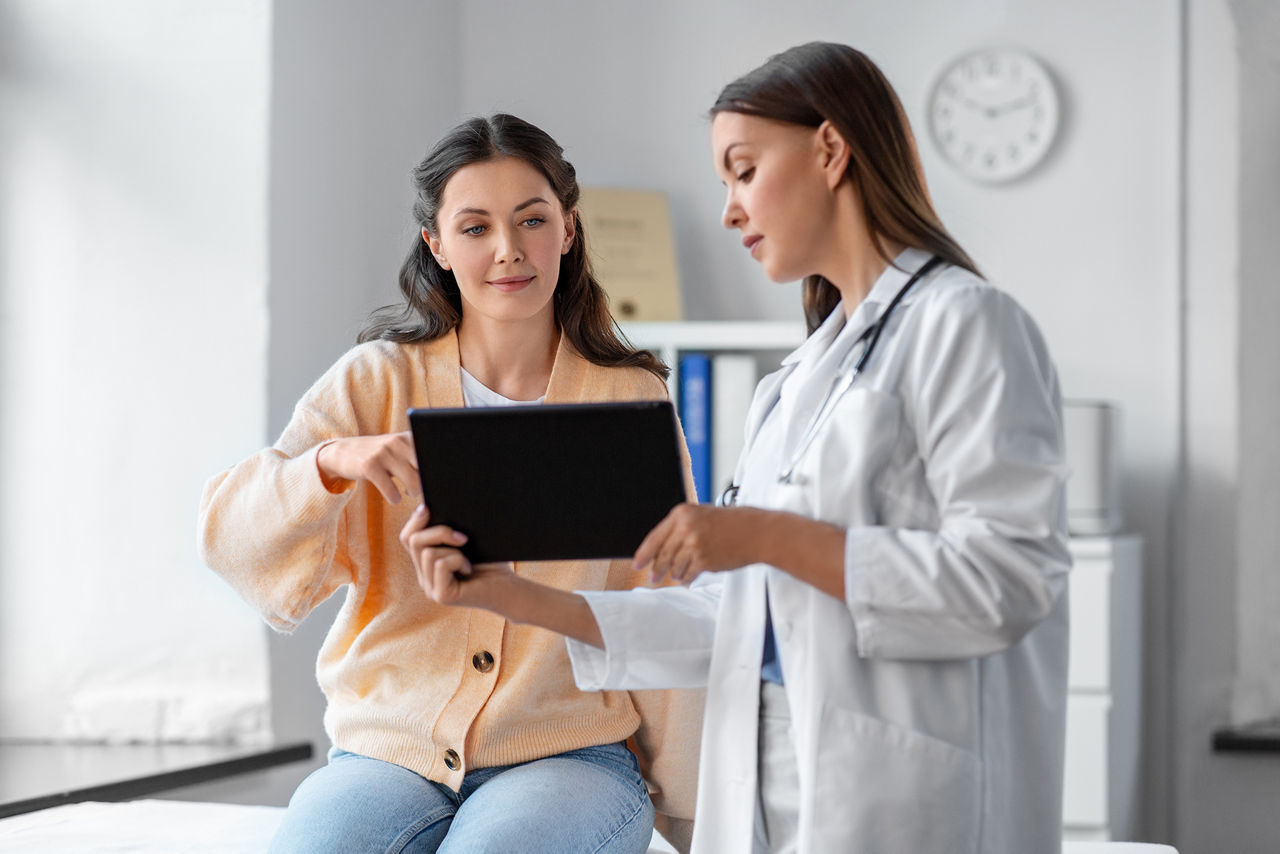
pixel 154 827
pixel 141 827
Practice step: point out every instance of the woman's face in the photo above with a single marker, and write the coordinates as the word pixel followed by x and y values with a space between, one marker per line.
pixel 502 233
pixel 777 192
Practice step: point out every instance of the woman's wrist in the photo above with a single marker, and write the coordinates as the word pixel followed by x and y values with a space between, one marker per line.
pixel 331 482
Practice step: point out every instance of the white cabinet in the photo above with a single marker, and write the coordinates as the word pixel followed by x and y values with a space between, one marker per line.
pixel 1104 709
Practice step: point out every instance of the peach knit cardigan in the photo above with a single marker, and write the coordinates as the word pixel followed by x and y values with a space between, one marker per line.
pixel 403 675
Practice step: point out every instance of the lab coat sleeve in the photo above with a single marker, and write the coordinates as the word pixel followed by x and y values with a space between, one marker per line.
pixel 653 638
pixel 981 394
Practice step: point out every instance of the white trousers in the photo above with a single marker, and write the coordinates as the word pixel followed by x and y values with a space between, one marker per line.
pixel 778 794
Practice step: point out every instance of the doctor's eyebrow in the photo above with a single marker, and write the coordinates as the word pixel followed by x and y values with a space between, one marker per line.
pixel 482 212
pixel 725 157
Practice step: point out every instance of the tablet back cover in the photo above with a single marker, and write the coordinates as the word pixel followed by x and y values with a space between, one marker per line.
pixel 549 482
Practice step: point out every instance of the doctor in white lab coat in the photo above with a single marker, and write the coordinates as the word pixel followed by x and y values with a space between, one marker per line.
pixel 880 619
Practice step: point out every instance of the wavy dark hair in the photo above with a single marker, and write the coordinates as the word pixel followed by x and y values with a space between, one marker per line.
pixel 432 302
pixel 823 81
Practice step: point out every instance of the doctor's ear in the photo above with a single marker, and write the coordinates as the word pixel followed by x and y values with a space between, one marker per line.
pixel 833 153
pixel 436 247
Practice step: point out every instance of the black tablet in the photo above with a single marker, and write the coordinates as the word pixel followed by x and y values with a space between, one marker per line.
pixel 549 482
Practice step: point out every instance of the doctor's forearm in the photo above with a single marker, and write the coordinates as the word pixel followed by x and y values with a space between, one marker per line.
pixel 810 550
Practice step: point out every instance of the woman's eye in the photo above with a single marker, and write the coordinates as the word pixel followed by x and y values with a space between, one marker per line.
pixel 534 221
pixel 745 175
pixel 474 231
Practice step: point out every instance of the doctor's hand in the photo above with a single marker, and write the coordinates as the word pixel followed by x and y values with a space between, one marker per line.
pixel 698 538
pixel 444 573
pixel 381 460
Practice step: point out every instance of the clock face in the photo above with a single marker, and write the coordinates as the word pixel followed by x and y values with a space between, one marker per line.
pixel 994 113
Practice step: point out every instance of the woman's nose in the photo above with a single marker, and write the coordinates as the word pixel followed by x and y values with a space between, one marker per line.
pixel 508 249
pixel 732 215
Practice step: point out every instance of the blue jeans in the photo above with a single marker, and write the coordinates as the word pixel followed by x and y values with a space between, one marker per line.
pixel 588 800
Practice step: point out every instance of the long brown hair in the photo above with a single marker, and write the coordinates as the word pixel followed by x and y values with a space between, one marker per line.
pixel 822 81
pixel 432 302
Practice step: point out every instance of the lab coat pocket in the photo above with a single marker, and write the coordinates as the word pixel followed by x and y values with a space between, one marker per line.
pixel 888 788
pixel 851 452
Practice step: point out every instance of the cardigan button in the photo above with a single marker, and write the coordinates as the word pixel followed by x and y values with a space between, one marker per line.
pixel 482 661
pixel 452 760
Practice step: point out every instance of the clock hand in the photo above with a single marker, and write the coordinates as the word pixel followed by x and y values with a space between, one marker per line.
pixel 1026 100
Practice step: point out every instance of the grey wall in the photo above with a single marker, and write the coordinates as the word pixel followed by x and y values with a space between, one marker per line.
pixel 360 91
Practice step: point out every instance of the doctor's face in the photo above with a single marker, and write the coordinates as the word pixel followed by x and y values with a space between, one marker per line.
pixel 776 192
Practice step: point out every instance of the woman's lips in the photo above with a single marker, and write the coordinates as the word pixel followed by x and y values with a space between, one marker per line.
pixel 751 241
pixel 511 283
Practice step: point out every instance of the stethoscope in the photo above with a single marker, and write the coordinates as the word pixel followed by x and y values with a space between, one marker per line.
pixel 846 373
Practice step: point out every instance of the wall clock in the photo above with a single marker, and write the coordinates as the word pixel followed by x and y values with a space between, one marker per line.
pixel 994 113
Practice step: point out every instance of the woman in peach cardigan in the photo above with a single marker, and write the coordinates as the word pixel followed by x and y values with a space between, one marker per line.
pixel 452 728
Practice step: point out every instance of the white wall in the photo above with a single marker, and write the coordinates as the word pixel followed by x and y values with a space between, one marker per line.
pixel 1089 242
pixel 1227 584
pixel 133 143
pixel 1258 685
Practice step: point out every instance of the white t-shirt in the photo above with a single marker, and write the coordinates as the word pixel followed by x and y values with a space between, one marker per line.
pixel 476 394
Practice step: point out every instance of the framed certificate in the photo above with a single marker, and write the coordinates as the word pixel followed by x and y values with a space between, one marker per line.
pixel 632 251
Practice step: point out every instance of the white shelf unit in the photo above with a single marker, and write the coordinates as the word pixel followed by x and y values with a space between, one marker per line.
pixel 1104 689
pixel 668 339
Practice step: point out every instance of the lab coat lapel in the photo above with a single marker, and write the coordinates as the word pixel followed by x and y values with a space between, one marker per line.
pixel 765 399
pixel 801 393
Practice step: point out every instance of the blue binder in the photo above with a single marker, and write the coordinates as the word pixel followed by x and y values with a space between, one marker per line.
pixel 695 418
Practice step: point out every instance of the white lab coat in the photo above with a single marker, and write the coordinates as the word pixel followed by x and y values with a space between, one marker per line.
pixel 929 706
